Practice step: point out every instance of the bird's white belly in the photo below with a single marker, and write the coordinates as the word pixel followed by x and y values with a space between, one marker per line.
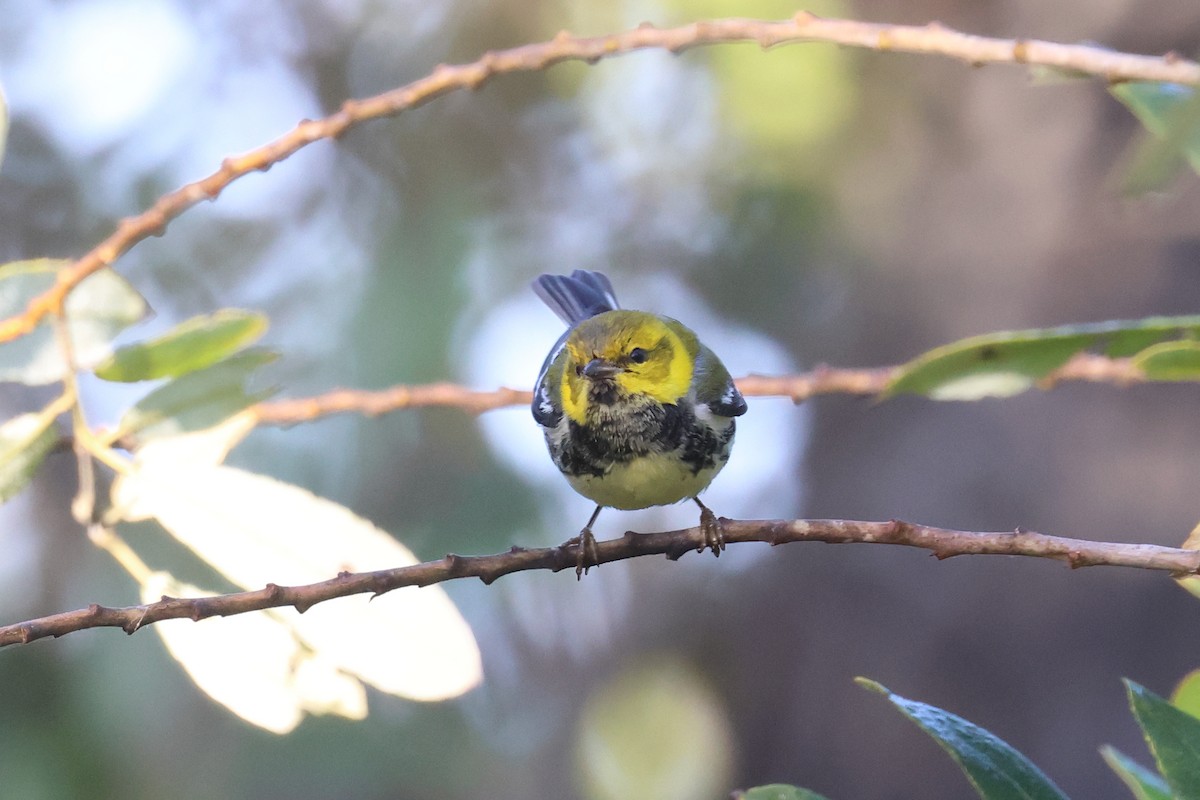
pixel 650 480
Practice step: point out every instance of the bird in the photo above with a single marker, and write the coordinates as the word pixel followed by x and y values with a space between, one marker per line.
pixel 635 410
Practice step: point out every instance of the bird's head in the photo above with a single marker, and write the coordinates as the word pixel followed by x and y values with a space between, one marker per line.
pixel 621 353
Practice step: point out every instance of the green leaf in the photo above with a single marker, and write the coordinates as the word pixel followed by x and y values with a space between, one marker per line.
pixel 1186 696
pixel 778 791
pixel 1144 783
pixel 25 441
pixel 195 344
pixel 1170 361
pixel 1007 363
pixel 198 400
pixel 1171 113
pixel 99 308
pixel 996 770
pixel 1173 737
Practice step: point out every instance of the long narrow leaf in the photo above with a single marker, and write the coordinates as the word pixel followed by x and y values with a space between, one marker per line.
pixel 197 401
pixel 1173 737
pixel 195 344
pixel 994 768
pixel 1144 783
pixel 1009 362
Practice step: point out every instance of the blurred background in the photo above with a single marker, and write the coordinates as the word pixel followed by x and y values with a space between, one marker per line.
pixel 802 206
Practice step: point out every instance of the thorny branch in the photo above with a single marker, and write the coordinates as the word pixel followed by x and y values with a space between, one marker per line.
pixel 941 542
pixel 933 38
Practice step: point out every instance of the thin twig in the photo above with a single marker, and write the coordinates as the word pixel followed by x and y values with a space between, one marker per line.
pixel 803 386
pixel 83 506
pixel 941 542
pixel 933 38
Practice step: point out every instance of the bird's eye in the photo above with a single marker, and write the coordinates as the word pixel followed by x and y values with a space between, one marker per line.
pixel 579 369
pixel 637 355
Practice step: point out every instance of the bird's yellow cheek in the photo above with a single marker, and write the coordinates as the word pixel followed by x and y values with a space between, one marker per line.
pixel 574 395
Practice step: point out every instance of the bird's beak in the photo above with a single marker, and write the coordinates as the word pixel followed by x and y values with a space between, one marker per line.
pixel 598 368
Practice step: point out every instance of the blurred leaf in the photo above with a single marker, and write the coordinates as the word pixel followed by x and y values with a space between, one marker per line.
pixel 25 441
pixel 1191 582
pixel 1171 113
pixel 191 345
pixel 769 99
pixel 778 791
pixel 99 308
pixel 655 730
pixel 198 400
pixel 209 446
pixel 1170 361
pixel 995 769
pixel 1173 737
pixel 253 664
pixel 256 530
pixel 1008 362
pixel 1048 75
pixel 1144 783
pixel 1186 696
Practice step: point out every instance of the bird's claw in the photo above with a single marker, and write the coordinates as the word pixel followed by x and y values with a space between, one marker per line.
pixel 588 555
pixel 713 532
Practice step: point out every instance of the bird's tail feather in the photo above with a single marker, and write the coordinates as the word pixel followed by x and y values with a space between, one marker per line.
pixel 577 296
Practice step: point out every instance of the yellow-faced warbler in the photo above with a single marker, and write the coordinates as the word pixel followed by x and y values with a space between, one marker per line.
pixel 636 411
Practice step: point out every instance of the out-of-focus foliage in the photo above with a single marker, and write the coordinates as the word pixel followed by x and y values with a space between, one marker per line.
pixel 1145 784
pixel 195 344
pixel 1171 113
pixel 655 730
pixel 25 441
pixel 777 791
pixel 255 530
pixel 1009 362
pixel 198 400
pixel 789 103
pixel 254 664
pixel 102 306
pixel 1186 696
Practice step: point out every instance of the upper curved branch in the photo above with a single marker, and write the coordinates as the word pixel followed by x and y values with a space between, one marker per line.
pixel 803 27
pixel 803 386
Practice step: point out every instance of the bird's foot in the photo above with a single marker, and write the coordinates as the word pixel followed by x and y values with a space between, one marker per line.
pixel 714 533
pixel 588 555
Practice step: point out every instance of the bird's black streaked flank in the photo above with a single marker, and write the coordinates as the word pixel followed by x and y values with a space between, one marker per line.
pixel 636 411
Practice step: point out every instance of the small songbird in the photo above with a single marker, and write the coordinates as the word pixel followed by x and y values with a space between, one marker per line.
pixel 636 411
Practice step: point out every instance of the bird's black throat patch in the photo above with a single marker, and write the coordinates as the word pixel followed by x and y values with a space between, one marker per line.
pixel 604 392
pixel 635 426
